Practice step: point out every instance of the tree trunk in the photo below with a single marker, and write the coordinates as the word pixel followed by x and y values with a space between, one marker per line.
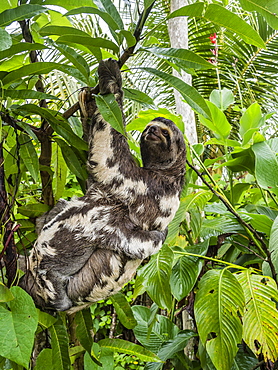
pixel 178 32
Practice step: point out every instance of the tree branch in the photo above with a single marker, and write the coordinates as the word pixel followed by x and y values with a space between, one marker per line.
pixel 252 232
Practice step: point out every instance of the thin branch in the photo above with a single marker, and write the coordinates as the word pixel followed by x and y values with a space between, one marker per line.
pixel 123 58
pixel 251 232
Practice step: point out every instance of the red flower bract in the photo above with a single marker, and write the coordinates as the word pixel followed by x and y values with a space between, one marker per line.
pixel 213 38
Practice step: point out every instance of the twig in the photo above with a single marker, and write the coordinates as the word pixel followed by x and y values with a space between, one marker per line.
pixel 252 232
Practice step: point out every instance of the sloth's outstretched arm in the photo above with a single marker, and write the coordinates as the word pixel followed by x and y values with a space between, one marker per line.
pixel 110 162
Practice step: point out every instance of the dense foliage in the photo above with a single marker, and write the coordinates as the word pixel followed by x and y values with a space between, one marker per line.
pixel 220 259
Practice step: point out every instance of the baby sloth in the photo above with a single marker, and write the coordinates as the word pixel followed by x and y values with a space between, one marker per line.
pixel 91 246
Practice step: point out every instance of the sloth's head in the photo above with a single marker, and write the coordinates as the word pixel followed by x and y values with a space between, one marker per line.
pixel 162 145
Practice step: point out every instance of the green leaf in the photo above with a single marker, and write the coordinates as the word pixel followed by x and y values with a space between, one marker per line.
pixel 25 11
pixel 123 310
pixel 260 319
pixel 123 346
pixel 5 40
pixel 60 346
pixel 18 326
pixel 218 305
pixel 109 7
pixel 266 158
pixel 76 59
pixel 189 93
pixel 260 223
pixel 30 69
pixel 223 17
pixel 218 123
pixel 110 111
pixel 60 172
pixel 29 156
pixel 183 56
pixel 130 39
pixel 69 4
pixel 58 123
pixel 138 96
pixel 273 248
pixel 251 121
pixel 89 41
pixel 33 210
pixel 45 320
pixel 5 294
pixel 157 277
pixel 192 201
pixel 20 47
pixel 222 98
pixel 72 161
pixel 184 276
pixel 162 328
pixel 193 10
pixel 26 94
pixel 170 348
pixel 44 360
pixel 90 10
pixel 267 8
pixel 84 325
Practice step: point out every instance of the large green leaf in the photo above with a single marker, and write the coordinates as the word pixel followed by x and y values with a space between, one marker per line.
pixel 37 68
pixel 123 346
pixel 5 40
pixel 76 59
pixel 5 293
pixel 109 7
pixel 273 248
pixel 20 47
pixel 260 319
pixel 60 346
pixel 218 123
pixel 192 10
pixel 138 96
pixel 98 42
pixel 25 94
pixel 18 325
pixel 90 10
pixel 170 348
pixel 183 56
pixel 19 13
pixel 192 201
pixel 73 162
pixel 162 328
pixel 60 172
pixel 189 93
pixel 157 277
pixel 267 8
pixel 218 306
pixel 59 124
pixel 222 17
pixel 266 166
pixel 84 325
pixel 69 4
pixel 44 360
pixel 29 155
pixel 123 310
pixel 184 276
pixel 110 111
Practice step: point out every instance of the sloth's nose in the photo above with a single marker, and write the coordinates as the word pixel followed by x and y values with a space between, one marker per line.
pixel 153 129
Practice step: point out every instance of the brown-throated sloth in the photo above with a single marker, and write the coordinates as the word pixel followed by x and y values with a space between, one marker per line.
pixel 91 246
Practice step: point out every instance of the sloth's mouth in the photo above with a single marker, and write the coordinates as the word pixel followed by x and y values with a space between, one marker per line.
pixel 152 137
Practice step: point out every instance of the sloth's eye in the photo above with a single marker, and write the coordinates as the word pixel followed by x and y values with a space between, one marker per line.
pixel 165 133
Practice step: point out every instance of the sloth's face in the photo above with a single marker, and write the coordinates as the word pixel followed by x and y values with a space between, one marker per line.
pixel 161 144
